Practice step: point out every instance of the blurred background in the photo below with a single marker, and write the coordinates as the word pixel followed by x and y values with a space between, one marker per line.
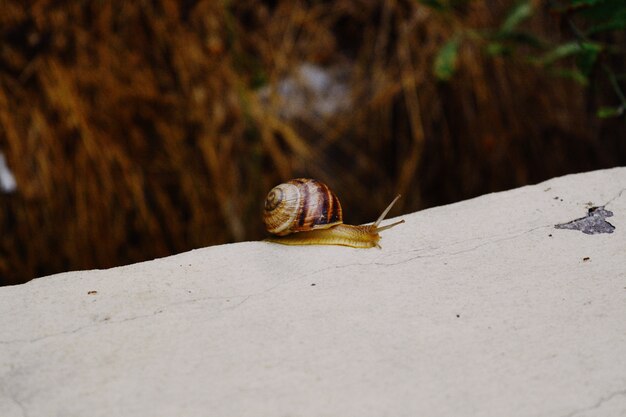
pixel 135 130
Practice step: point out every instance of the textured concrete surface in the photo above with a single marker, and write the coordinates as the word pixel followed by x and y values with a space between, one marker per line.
pixel 481 308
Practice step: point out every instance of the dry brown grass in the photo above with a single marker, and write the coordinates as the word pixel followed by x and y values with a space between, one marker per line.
pixel 134 129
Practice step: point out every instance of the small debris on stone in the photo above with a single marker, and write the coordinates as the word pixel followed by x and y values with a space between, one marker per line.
pixel 593 223
pixel 92 292
pixel 586 258
pixel 313 285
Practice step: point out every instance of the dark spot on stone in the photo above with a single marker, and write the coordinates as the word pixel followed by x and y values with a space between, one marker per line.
pixel 458 315
pixel 313 285
pixel 93 292
pixel 550 235
pixel 585 259
pixel 556 198
pixel 593 223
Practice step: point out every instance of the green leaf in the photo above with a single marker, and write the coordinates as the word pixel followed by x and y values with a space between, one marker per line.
pixel 519 13
pixel 445 63
pixel 606 112
pixel 561 51
pixel 588 56
pixel 572 74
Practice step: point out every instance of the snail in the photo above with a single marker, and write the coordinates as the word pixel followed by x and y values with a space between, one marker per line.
pixel 306 212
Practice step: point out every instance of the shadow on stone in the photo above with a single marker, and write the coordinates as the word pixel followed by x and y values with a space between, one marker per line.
pixel 593 223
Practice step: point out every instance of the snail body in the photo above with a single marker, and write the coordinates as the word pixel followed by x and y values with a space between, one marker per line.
pixel 306 212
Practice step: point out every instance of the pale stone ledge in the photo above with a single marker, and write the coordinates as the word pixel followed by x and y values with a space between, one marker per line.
pixel 480 308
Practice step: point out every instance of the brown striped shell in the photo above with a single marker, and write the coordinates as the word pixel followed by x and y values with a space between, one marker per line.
pixel 300 205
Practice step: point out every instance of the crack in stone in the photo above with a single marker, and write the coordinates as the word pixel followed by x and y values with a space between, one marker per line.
pixel 11 397
pixel 247 297
pixel 432 255
pixel 157 311
pixel 598 403
pixel 20 405
pixel 616 197
pixel 534 229
pixel 78 329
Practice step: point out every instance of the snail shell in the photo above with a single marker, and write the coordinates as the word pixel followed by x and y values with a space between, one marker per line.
pixel 301 205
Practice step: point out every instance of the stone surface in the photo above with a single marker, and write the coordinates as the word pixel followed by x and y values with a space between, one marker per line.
pixel 480 308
